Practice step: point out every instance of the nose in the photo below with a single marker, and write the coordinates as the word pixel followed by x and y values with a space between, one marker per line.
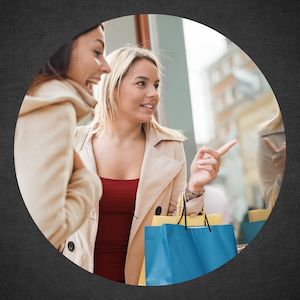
pixel 104 67
pixel 152 92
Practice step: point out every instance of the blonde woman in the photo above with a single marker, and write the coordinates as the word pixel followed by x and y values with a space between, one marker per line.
pixel 141 165
pixel 271 158
pixel 57 189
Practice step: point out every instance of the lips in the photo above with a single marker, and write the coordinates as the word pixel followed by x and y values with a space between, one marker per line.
pixel 148 105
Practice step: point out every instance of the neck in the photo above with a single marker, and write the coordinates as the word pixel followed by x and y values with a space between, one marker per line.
pixel 126 132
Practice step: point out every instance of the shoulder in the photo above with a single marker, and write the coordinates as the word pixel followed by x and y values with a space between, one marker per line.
pixel 55 87
pixel 267 130
pixel 170 143
pixel 277 136
pixel 161 134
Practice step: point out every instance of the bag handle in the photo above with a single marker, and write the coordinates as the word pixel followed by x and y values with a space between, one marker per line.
pixel 183 213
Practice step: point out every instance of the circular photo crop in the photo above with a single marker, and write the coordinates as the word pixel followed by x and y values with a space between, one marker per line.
pixel 149 150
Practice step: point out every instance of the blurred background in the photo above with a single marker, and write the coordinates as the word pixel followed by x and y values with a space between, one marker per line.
pixel 213 92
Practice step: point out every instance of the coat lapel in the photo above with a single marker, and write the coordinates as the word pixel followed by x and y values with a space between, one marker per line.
pixel 158 170
pixel 88 157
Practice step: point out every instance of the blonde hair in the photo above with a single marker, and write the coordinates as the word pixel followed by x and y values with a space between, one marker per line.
pixel 120 62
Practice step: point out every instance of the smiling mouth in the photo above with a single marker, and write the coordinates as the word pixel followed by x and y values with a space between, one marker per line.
pixel 149 106
pixel 89 84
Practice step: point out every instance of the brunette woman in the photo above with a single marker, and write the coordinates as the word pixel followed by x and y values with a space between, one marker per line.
pixel 57 189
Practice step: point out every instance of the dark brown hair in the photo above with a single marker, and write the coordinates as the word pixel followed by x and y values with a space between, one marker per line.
pixel 57 65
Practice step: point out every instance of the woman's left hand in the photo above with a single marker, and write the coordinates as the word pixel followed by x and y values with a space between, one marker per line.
pixel 205 166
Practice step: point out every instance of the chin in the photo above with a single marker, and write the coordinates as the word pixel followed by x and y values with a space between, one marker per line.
pixel 145 120
pixel 142 118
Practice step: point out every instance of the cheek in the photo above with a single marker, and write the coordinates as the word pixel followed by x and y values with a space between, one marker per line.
pixel 85 63
pixel 95 63
pixel 128 103
pixel 87 66
pixel 82 59
pixel 75 66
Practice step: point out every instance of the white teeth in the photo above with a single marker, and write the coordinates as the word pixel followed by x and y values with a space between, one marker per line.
pixel 148 106
pixel 92 81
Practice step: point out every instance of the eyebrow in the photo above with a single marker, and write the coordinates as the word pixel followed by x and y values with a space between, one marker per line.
pixel 145 78
pixel 100 41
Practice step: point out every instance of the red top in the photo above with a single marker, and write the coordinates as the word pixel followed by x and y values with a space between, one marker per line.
pixel 116 209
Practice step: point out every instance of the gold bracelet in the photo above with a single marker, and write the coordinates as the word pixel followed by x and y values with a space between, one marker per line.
pixel 189 195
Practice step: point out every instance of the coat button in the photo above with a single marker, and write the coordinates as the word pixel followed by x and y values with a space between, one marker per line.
pixel 158 210
pixel 71 246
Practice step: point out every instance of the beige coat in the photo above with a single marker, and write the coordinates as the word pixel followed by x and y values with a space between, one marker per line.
pixel 270 178
pixel 58 199
pixel 162 179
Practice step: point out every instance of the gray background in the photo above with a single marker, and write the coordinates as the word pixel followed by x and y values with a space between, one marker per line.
pixel 268 32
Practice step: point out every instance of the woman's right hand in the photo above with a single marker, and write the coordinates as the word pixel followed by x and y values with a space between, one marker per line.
pixel 205 166
pixel 77 162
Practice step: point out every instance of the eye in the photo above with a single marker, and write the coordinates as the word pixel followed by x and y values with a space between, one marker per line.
pixel 156 86
pixel 141 83
pixel 97 53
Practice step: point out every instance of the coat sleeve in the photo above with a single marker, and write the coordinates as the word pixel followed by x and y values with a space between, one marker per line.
pixel 193 206
pixel 58 199
pixel 271 180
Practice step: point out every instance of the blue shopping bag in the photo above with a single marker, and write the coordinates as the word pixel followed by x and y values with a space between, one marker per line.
pixel 249 230
pixel 176 253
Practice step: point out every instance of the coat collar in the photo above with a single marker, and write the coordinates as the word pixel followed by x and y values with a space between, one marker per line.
pixel 266 131
pixel 153 136
pixel 59 91
pixel 89 99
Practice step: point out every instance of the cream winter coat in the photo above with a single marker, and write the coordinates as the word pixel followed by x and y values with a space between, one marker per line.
pixel 162 179
pixel 58 199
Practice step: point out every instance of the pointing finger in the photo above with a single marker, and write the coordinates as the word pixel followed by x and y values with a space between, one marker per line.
pixel 226 147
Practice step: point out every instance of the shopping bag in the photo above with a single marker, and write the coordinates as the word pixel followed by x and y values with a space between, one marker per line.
pixel 174 253
pixel 249 230
pixel 213 219
pixel 195 220
pixel 257 218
